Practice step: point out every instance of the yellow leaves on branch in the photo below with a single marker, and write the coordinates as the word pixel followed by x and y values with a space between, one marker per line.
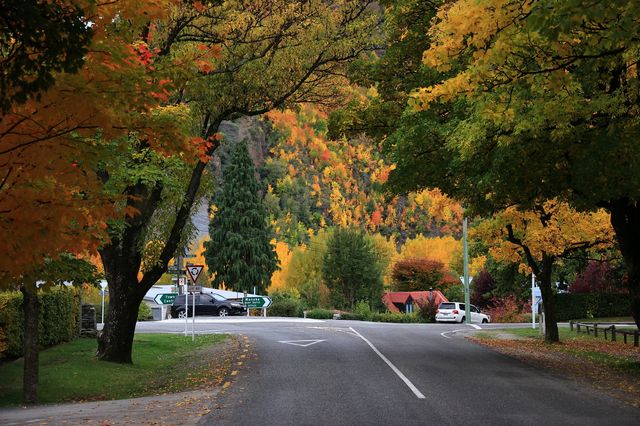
pixel 553 228
pixel 476 32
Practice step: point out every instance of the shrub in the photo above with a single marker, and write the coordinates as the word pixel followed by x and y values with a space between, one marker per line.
pixel 59 309
pixel 320 314
pixel 363 310
pixel 285 308
pixel 427 311
pixel 592 305
pixel 144 312
pixel 506 309
pixel 395 317
pixel 352 316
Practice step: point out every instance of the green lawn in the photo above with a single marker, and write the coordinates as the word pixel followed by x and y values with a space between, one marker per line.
pixel 616 355
pixel 70 372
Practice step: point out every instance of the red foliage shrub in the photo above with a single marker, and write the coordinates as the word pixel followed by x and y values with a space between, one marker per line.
pixel 506 309
pixel 483 285
pixel 597 277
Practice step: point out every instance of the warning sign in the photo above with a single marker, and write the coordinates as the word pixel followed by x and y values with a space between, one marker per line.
pixel 194 272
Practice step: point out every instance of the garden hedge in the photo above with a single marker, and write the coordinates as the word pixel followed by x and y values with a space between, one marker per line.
pixel 59 310
pixel 592 305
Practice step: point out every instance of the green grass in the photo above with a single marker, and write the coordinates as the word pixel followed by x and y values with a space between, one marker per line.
pixel 70 372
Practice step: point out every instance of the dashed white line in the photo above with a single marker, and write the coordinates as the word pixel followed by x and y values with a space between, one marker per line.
pixel 395 369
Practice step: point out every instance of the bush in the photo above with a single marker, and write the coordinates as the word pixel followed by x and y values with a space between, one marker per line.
pixel 395 317
pixel 285 303
pixel 351 316
pixel 506 309
pixel 427 310
pixel 286 308
pixel 363 310
pixel 320 314
pixel 144 312
pixel 59 310
pixel 592 305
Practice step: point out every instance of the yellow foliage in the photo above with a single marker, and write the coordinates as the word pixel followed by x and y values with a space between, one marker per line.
pixel 553 229
pixel 442 249
pixel 278 279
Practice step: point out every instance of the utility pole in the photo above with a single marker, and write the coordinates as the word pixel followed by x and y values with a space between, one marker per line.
pixel 467 297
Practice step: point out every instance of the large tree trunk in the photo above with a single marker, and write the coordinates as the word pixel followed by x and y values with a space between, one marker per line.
pixel 115 343
pixel 31 309
pixel 122 259
pixel 625 219
pixel 548 300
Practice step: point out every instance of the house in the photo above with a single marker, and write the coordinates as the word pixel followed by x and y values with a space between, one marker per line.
pixel 408 301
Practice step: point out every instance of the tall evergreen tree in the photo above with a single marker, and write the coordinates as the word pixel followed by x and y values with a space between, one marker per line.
pixel 240 252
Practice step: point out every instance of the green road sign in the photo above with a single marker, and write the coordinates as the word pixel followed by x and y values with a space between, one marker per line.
pixel 165 298
pixel 256 302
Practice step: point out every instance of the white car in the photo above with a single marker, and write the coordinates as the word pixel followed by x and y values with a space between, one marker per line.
pixel 455 312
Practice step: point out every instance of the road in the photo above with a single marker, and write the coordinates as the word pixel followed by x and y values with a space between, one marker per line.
pixel 359 373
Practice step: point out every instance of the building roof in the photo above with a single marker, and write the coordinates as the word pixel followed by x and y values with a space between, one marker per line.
pixel 419 297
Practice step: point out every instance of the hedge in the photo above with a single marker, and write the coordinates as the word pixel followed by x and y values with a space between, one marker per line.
pixel 59 309
pixel 592 305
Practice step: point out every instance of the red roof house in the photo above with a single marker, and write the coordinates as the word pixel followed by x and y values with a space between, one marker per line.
pixel 404 301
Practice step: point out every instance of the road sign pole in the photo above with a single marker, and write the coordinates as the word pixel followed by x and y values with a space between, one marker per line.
pixel 467 297
pixel 193 318
pixel 533 301
pixel 102 309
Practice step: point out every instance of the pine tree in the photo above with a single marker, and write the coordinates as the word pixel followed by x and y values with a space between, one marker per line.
pixel 240 252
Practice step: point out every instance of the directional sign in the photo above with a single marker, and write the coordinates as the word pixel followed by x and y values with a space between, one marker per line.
pixel 173 269
pixel 256 302
pixel 165 298
pixel 194 272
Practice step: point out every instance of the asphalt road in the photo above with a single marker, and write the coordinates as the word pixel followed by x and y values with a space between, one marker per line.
pixel 357 373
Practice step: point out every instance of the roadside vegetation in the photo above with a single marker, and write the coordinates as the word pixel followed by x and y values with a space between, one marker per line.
pixel 163 363
pixel 613 367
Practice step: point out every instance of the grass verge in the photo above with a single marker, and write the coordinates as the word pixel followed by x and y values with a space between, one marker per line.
pixel 612 367
pixel 162 363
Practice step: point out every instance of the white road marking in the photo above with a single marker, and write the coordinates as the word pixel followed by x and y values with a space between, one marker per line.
pixel 395 369
pixel 444 334
pixel 299 342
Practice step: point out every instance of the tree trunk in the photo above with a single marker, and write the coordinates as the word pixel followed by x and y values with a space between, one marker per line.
pixel 548 300
pixel 31 309
pixel 625 219
pixel 115 343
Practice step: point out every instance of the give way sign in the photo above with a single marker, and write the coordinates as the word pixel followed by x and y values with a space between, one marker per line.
pixel 194 272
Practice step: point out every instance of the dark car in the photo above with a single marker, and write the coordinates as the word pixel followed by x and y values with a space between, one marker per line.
pixel 207 304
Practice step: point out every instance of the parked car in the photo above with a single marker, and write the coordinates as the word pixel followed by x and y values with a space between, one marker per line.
pixel 206 304
pixel 455 312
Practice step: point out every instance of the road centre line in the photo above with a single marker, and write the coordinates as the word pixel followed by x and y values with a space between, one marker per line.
pixel 395 369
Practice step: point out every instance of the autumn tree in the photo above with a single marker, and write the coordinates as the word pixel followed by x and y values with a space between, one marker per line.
pixel 67 72
pixel 549 96
pixel 536 239
pixel 257 56
pixel 37 40
pixel 351 269
pixel 417 274
pixel 240 252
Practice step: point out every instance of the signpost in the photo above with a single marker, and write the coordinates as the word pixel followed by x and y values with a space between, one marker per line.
pixel 103 286
pixel 193 271
pixel 165 298
pixel 257 302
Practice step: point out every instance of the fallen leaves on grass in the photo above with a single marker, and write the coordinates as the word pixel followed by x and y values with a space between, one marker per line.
pixel 608 366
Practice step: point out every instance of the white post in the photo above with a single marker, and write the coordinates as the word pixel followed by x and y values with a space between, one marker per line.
pixel 264 312
pixel 533 301
pixel 102 310
pixel 193 320
pixel 186 309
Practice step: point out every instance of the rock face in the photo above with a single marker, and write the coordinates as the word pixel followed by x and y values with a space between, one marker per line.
pixel 255 131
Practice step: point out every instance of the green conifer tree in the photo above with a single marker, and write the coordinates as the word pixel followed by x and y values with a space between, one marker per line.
pixel 240 253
